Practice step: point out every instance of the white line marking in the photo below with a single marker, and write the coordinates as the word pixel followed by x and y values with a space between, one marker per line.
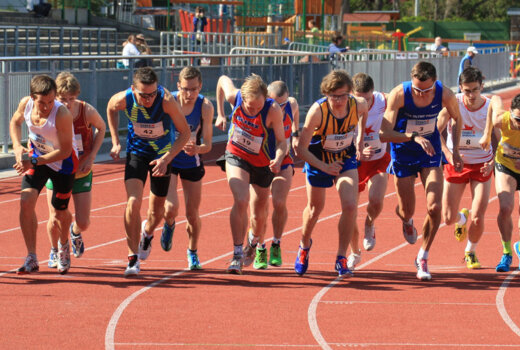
pixel 351 302
pixel 344 345
pixel 205 345
pixel 501 306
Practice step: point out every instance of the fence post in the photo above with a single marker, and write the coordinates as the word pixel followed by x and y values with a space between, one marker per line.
pixel 7 98
pixel 93 83
pixel 38 47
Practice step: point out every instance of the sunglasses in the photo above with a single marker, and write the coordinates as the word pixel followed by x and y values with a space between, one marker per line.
pixel 423 90
pixel 515 117
pixel 146 96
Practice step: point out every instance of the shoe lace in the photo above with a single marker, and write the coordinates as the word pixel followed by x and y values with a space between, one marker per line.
pixel 262 257
pixel 424 265
pixel 194 260
pixel 302 256
pixel 342 263
pixel 471 258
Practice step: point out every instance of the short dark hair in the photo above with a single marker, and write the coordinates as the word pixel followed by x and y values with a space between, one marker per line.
pixel 471 75
pixel 363 83
pixel 515 103
pixel 188 73
pixel 42 85
pixel 145 75
pixel 423 71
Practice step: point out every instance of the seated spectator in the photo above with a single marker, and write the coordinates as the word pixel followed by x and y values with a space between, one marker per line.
pixel 144 49
pixel 437 45
pixel 336 47
pixel 129 49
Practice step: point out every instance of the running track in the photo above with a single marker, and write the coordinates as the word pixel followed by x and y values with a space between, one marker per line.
pixel 382 307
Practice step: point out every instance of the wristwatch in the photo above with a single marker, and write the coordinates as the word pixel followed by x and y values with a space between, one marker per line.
pixel 295 133
pixel 414 135
pixel 34 161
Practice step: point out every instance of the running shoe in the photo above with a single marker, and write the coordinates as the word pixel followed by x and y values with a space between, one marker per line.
pixel 302 260
pixel 30 265
pixel 369 242
pixel 249 254
pixel 145 244
pixel 260 259
pixel 422 270
pixel 63 257
pixel 78 247
pixel 471 260
pixel 461 231
pixel 134 267
pixel 275 255
pixel 167 236
pixel 516 248
pixel 353 260
pixel 193 260
pixel 53 258
pixel 342 268
pixel 505 263
pixel 236 264
pixel 409 232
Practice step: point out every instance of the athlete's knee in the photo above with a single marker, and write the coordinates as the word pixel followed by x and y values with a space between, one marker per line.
pixel 375 205
pixel 314 210
pixel 505 210
pixel 192 216
pixel 448 216
pixel 434 210
pixel 170 211
pixel 279 204
pixel 82 223
pixel 133 205
pixel 477 221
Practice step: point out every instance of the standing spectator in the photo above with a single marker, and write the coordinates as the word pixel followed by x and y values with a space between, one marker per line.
pixel 437 45
pixel 334 48
pixel 199 23
pixel 467 60
pixel 130 49
pixel 314 30
pixel 144 49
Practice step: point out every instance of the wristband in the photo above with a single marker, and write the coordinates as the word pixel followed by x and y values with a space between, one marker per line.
pixel 295 133
pixel 414 135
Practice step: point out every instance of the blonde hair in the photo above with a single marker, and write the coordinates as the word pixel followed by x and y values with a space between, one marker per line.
pixel 335 80
pixel 67 84
pixel 253 87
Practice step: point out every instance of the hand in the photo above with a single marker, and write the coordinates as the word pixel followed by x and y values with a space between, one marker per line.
pixel 334 168
pixel 191 148
pixel 85 164
pixel 221 122
pixel 114 152
pixel 484 142
pixel 458 163
pixel 22 166
pixel 487 168
pixel 18 153
pixel 367 153
pixel 159 167
pixel 275 166
pixel 426 145
pixel 294 141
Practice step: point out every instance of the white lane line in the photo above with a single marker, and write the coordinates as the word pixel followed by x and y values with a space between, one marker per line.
pixel 352 302
pixel 501 305
pixel 206 345
pixel 311 313
pixel 343 345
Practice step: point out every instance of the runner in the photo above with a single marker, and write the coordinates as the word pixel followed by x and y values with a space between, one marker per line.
pixel 249 159
pixel 475 148
pixel 52 154
pixel 372 166
pixel 410 124
pixel 88 143
pixel 188 163
pixel 280 186
pixel 329 150
pixel 152 114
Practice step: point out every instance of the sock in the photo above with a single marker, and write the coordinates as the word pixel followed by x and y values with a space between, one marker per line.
pixel 253 240
pixel 132 259
pixel 507 247
pixel 276 241
pixel 471 247
pixel 423 254
pixel 410 222
pixel 192 251
pixel 260 246
pixel 462 219
pixel 237 250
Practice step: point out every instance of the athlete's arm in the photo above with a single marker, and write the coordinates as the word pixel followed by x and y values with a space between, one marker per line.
pixel 15 130
pixel 362 108
pixel 207 131
pixel 93 118
pixel 115 104
pixel 449 101
pixel 442 121
pixel 395 102
pixel 226 90
pixel 274 121
pixel 295 127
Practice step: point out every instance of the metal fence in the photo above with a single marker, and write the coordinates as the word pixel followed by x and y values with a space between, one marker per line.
pixel 303 78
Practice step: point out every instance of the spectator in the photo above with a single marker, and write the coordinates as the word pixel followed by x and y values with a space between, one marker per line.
pixel 144 49
pixel 39 8
pixel 334 47
pixel 199 23
pixel 437 45
pixel 467 60
pixel 129 49
pixel 314 31
pixel 420 47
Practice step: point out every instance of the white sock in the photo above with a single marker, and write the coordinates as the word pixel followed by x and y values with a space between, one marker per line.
pixel 462 219
pixel 276 240
pixel 423 254
pixel 471 247
pixel 237 250
pixel 410 222
pixel 260 246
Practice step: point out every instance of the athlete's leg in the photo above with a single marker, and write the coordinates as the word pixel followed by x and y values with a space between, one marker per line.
pixel 52 227
pixel 405 197
pixel 354 240
pixel 311 213
pixel 28 220
pixel 376 195
pixel 433 184
pixel 451 196
pixel 347 187
pixel 171 205
pixel 280 190
pixel 259 211
pixel 192 198
pixel 82 205
pixel 480 194
pixel 505 187
pixel 238 180
pixel 134 194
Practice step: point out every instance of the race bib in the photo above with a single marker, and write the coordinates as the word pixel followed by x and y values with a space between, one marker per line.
pixel 510 151
pixel 79 143
pixel 246 141
pixel 375 142
pixel 149 130
pixel 469 139
pixel 338 142
pixel 422 126
pixel 41 144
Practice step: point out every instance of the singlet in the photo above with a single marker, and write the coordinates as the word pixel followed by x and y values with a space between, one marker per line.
pixel 287 129
pixel 149 129
pixel 248 136
pixel 333 140
pixel 508 149
pixel 44 137
pixel 83 135
pixel 474 123
pixel 375 117
pixel 194 119
pixel 421 119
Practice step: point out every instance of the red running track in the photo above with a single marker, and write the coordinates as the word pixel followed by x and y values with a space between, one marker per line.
pixel 382 307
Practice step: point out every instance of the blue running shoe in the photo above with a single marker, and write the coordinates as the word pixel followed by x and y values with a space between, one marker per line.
pixel 342 268
pixel 167 236
pixel 193 260
pixel 78 247
pixel 302 260
pixel 516 248
pixel 53 258
pixel 505 263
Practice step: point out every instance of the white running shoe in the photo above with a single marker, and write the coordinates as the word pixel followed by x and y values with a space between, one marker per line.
pixel 422 270
pixel 145 244
pixel 409 232
pixel 63 257
pixel 249 254
pixel 353 260
pixel 133 267
pixel 369 242
pixel 235 266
